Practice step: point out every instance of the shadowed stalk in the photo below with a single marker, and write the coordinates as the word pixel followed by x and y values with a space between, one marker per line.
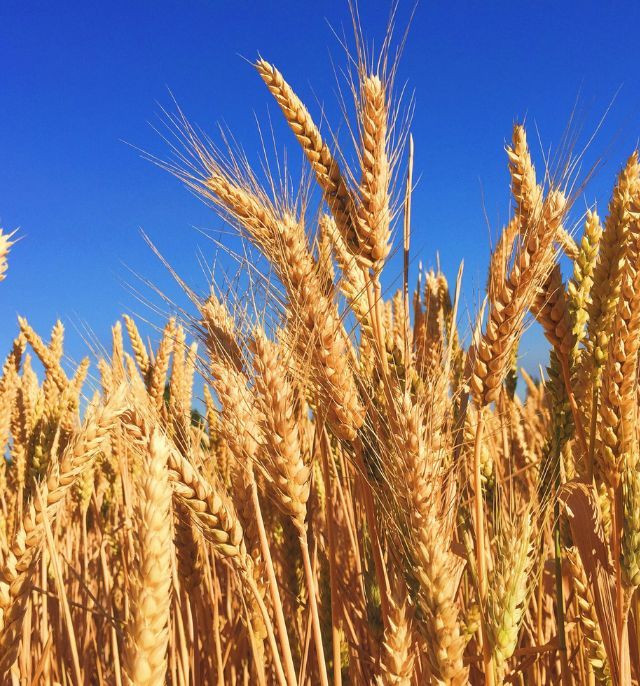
pixel 273 588
pixel 313 603
pixel 331 535
pixel 481 557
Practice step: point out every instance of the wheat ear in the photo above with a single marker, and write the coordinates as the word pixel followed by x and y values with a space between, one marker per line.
pixel 5 244
pixel 509 589
pixel 374 211
pixel 618 409
pixel 158 373
pixel 538 222
pixel 147 632
pixel 429 562
pixel 605 293
pixel 397 656
pixel 580 300
pixel 46 356
pixel 291 476
pixel 326 168
pixel 138 345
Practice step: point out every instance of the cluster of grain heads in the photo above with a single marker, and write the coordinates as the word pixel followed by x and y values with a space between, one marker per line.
pixel 366 497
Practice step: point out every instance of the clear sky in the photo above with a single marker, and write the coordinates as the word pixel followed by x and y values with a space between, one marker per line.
pixel 78 79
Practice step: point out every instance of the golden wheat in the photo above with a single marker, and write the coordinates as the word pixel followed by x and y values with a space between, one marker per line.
pixel 368 497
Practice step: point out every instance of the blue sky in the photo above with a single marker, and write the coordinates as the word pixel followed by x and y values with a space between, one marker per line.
pixel 78 79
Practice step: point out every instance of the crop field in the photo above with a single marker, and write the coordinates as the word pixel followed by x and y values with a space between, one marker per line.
pixel 314 479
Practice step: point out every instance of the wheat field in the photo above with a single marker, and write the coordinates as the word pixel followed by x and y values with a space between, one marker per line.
pixel 375 493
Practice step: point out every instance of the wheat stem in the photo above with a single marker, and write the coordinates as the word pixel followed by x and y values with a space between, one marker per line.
pixel 273 588
pixel 331 535
pixel 313 603
pixel 481 558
